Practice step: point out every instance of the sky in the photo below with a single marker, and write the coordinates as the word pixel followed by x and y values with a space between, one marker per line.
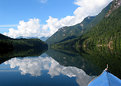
pixel 42 18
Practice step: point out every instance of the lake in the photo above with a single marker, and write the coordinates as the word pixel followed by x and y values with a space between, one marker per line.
pixel 52 68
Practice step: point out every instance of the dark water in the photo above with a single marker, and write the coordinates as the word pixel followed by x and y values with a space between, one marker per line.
pixel 52 68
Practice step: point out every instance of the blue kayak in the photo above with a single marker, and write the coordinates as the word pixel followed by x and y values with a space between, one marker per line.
pixel 106 79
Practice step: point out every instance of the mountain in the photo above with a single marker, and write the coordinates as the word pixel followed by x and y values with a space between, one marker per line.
pixel 115 5
pixel 107 33
pixel 69 32
pixel 41 38
pixel 44 38
pixel 4 37
pixel 22 37
pixel 9 44
pixel 101 43
pixel 98 18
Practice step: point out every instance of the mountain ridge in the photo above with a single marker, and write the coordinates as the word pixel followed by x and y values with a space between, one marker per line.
pixel 64 33
pixel 69 31
pixel 106 33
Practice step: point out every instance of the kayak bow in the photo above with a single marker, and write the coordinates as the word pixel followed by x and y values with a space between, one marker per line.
pixel 106 79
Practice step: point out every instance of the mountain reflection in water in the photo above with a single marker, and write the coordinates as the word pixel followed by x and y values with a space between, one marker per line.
pixel 34 66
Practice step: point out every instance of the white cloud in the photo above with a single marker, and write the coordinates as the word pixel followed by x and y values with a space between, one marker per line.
pixel 90 7
pixel 35 66
pixel 26 29
pixel 32 27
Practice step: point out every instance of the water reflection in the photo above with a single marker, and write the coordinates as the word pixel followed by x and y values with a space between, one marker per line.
pixel 69 58
pixel 21 53
pixel 34 66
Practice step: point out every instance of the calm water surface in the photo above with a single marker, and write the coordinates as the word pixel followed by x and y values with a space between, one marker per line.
pixel 41 70
pixel 56 68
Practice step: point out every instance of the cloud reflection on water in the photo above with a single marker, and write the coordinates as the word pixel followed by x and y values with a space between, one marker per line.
pixel 35 66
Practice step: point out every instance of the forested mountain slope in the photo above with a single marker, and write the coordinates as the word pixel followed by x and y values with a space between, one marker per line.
pixel 68 33
pixel 106 33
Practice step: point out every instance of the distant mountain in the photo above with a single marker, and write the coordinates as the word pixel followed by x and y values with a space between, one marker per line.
pixel 41 38
pixel 22 37
pixel 44 38
pixel 69 32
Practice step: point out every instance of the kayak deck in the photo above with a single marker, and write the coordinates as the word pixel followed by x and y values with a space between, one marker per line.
pixel 106 79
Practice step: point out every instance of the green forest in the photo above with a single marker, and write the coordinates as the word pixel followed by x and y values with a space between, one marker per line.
pixel 8 44
pixel 101 43
pixel 107 33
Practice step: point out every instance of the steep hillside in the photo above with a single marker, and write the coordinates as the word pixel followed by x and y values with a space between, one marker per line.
pixel 86 29
pixel 98 18
pixel 115 5
pixel 106 33
pixel 70 32
pixel 4 37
